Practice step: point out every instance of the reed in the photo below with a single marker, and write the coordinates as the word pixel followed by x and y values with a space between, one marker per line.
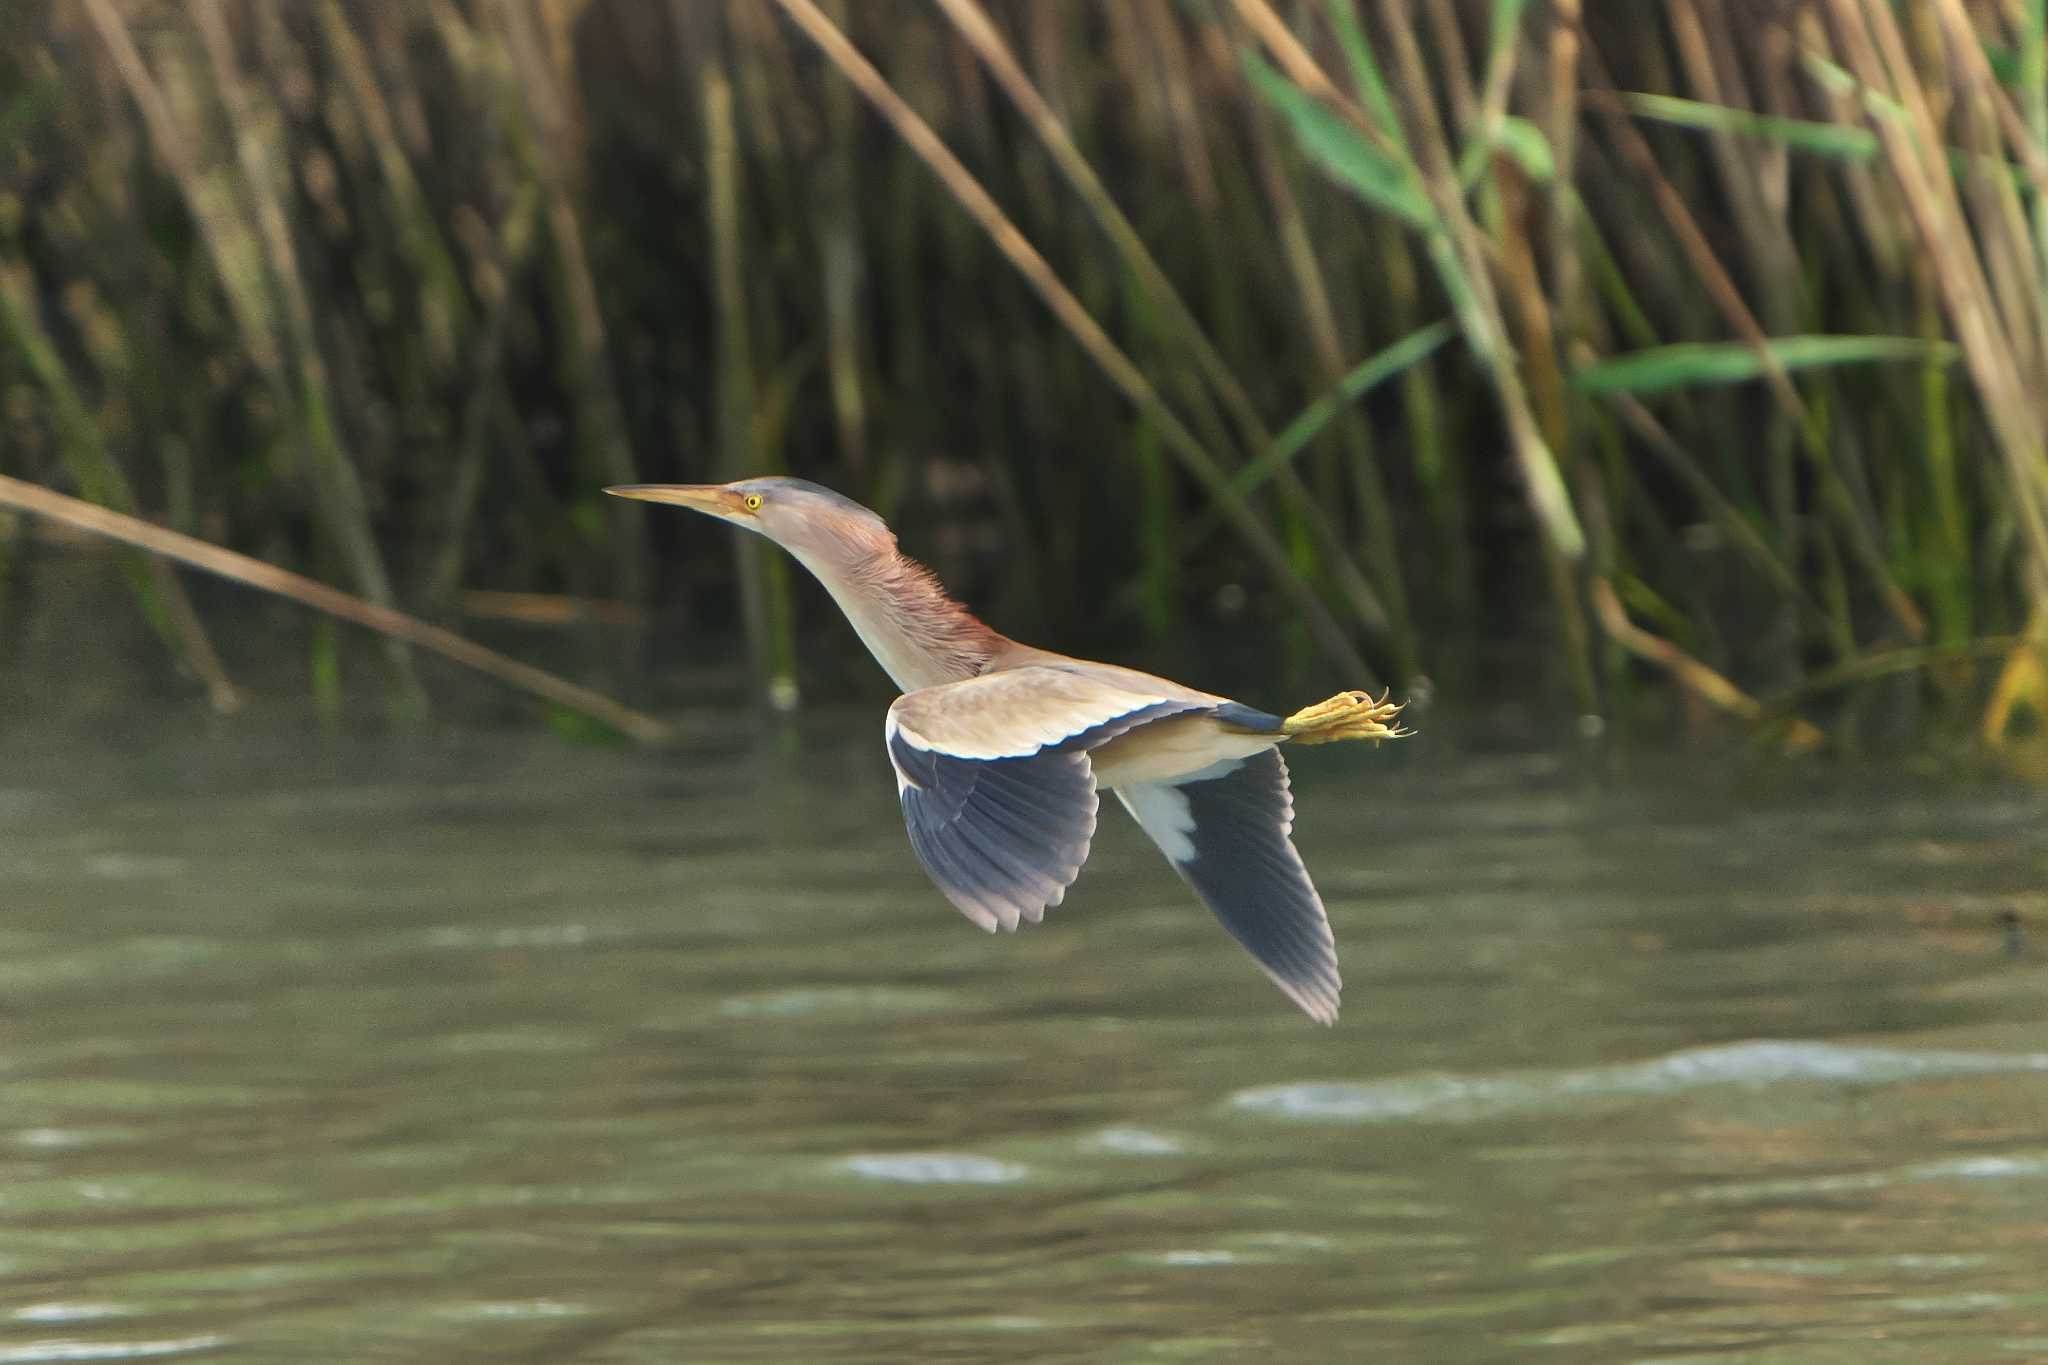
pixel 1694 351
pixel 89 463
pixel 763 576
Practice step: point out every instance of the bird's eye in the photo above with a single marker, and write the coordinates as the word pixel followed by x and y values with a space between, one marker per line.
pixel 752 502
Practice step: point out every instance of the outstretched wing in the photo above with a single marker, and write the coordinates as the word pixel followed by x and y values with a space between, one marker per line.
pixel 994 778
pixel 1225 830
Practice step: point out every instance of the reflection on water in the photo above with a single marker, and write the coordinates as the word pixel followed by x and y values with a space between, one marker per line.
pixel 510 1050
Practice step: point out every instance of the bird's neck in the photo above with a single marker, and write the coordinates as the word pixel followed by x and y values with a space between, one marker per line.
pixel 918 634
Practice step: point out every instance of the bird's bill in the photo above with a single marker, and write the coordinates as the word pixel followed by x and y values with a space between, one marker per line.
pixel 715 499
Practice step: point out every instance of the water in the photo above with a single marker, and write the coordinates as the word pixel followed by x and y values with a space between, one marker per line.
pixel 506 1049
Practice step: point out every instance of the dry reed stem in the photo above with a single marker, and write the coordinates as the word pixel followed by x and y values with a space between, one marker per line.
pixel 1486 331
pixel 1981 318
pixel 341 507
pixel 1470 258
pixel 342 502
pixel 1496 85
pixel 1702 681
pixel 1382 545
pixel 503 256
pixel 85 452
pixel 446 311
pixel 968 192
pixel 1680 462
pixel 1453 66
pixel 840 264
pixel 1727 298
pixel 550 609
pixel 1543 483
pixel 600 420
pixel 1881 663
pixel 1928 191
pixel 252 301
pixel 1970 54
pixel 1745 178
pixel 764 593
pixel 254 573
pixel 1183 112
pixel 1301 68
pixel 981 34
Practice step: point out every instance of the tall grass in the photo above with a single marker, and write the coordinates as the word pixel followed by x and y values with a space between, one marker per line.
pixel 1601 357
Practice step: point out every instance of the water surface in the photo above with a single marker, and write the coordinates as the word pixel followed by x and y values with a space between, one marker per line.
pixel 495 1048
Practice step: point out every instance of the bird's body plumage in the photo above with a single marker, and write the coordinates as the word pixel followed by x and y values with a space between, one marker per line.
pixel 1000 748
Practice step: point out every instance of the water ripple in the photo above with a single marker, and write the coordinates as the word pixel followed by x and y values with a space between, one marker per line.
pixel 1136 1142
pixel 936 1168
pixel 68 1312
pixel 517 1310
pixel 2026 1167
pixel 106 1350
pixel 1459 1099
pixel 794 1003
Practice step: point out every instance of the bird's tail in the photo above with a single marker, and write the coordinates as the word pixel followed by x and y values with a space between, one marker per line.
pixel 1348 715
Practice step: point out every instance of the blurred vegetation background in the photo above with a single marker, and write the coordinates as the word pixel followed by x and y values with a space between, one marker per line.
pixel 1642 362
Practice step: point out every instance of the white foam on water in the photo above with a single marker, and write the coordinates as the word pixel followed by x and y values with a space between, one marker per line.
pixel 797 1003
pixel 69 1312
pixel 37 1351
pixel 936 1168
pixel 2029 1167
pixel 518 1309
pixel 1458 1099
pixel 1136 1142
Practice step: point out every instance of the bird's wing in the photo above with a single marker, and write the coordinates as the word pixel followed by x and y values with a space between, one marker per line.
pixel 1225 830
pixel 994 778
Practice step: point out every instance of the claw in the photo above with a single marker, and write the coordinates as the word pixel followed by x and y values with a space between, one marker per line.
pixel 1348 715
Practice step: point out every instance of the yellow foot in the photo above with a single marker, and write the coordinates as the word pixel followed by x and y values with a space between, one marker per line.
pixel 1348 715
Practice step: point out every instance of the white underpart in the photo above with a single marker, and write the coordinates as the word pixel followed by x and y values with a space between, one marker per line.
pixel 1164 812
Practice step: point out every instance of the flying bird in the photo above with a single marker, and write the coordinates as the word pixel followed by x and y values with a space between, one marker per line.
pixel 1000 748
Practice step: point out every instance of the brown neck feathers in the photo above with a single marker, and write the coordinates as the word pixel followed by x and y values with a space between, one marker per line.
pixel 913 627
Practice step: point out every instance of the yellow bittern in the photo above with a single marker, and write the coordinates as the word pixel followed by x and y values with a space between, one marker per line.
pixel 999 748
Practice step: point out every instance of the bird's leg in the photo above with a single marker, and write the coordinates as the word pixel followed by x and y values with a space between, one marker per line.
pixel 1348 715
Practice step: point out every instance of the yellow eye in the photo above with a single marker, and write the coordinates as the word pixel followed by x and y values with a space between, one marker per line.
pixel 752 502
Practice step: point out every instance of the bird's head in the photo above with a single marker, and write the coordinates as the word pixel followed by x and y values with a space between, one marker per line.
pixel 807 519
